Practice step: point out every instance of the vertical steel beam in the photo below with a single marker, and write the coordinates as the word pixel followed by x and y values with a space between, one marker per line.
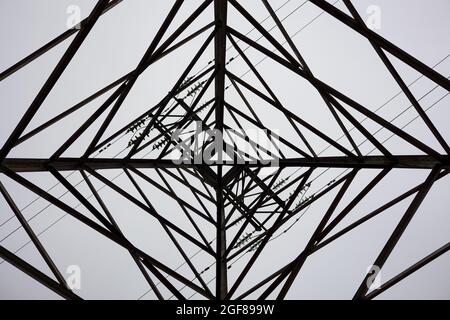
pixel 220 12
pixel 221 244
pixel 220 17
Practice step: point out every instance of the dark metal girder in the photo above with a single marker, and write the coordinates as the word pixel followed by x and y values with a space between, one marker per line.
pixel 407 272
pixel 400 228
pixel 54 77
pixel 37 275
pixel 51 44
pixel 369 162
pixel 220 18
pixel 385 44
pixel 400 81
pixel 23 221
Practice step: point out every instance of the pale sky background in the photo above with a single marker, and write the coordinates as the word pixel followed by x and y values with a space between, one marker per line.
pixel 335 55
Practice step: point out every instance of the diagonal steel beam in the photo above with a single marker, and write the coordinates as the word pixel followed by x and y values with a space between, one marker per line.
pixel 423 262
pixel 400 228
pixel 385 44
pixel 400 81
pixel 37 275
pixel 33 237
pixel 51 44
pixel 53 78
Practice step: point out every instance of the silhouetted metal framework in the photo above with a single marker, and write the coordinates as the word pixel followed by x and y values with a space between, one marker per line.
pixel 227 176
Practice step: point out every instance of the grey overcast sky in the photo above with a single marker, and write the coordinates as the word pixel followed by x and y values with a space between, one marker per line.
pixel 335 55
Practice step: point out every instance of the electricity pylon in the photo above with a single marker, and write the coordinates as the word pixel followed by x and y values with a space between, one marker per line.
pixel 231 173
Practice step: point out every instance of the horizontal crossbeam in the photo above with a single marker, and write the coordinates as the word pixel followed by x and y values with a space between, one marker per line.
pixel 369 162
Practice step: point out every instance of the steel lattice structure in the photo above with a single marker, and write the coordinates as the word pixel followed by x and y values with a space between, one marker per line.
pixel 230 179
